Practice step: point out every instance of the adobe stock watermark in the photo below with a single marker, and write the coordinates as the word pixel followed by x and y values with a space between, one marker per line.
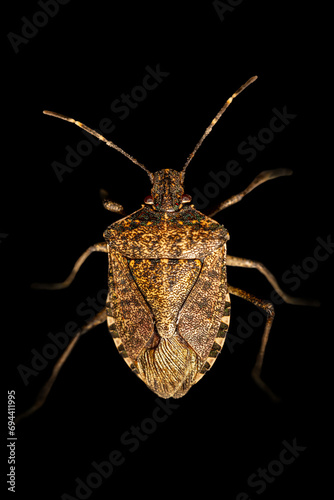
pixel 222 8
pixel 32 26
pixel 264 476
pixel 293 277
pixel 122 108
pixel 130 441
pixel 57 342
pixel 247 149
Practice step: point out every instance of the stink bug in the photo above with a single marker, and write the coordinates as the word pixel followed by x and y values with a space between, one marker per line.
pixel 168 306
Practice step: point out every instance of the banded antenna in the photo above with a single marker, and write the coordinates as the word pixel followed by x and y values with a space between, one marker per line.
pixel 99 136
pixel 120 150
pixel 214 121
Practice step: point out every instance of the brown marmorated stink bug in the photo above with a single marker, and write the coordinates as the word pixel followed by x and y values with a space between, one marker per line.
pixel 168 305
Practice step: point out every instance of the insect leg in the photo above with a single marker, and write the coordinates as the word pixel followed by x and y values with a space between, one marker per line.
pixel 268 308
pixel 264 176
pixel 240 262
pixel 42 395
pixel 98 247
pixel 109 204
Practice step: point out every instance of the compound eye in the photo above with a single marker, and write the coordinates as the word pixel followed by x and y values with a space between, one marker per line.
pixel 148 200
pixel 186 198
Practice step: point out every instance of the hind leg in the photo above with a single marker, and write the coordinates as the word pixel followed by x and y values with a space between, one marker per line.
pixel 268 308
pixel 43 394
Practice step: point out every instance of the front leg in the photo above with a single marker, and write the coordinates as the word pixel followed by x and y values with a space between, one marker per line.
pixel 110 205
pixel 264 176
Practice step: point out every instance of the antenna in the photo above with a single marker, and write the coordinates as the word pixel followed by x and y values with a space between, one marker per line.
pixel 214 121
pixel 99 136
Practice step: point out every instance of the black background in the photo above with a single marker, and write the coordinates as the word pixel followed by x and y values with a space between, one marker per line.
pixel 84 58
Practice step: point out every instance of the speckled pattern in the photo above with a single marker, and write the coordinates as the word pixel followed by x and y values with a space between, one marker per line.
pixel 167 289
pixel 150 234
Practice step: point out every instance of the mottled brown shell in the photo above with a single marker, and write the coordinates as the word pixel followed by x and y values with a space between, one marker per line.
pixel 168 306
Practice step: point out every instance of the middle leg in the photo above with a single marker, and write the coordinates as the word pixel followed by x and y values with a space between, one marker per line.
pixel 43 394
pixel 240 262
pixel 98 247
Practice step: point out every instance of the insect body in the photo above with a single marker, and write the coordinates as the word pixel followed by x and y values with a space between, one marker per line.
pixel 168 306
